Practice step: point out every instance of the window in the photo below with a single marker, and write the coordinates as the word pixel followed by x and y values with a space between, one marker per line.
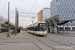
pixel 74 24
pixel 65 14
pixel 60 9
pixel 58 3
pixel 56 0
pixel 74 11
pixel 72 15
pixel 65 9
pixel 69 24
pixel 71 21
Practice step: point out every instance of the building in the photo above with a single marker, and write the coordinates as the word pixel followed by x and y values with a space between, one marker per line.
pixel 66 11
pixel 43 14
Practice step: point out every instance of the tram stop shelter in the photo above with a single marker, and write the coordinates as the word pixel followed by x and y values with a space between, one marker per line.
pixel 53 22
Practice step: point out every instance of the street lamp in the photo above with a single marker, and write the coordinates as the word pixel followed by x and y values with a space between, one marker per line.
pixel 33 19
pixel 8 21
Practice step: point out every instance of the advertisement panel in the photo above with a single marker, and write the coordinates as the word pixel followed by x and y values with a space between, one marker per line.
pixel 0 27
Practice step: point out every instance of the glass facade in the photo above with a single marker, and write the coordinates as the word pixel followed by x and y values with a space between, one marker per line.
pixel 65 9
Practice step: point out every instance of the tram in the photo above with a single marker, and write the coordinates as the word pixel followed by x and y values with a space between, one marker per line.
pixel 38 28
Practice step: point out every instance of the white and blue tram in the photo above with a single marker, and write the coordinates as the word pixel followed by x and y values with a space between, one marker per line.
pixel 38 28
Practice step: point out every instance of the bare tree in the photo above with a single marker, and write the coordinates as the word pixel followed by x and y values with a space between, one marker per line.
pixel 1 19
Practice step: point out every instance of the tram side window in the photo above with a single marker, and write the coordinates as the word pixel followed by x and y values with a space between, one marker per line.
pixel 37 28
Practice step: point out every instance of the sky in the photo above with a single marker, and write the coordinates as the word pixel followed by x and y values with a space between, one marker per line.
pixel 28 6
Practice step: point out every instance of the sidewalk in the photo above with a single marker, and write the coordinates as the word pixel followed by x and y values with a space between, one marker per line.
pixel 69 34
pixel 14 42
pixel 65 34
pixel 4 35
pixel 18 47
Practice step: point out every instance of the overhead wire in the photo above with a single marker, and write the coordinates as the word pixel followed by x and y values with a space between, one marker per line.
pixel 30 10
pixel 32 6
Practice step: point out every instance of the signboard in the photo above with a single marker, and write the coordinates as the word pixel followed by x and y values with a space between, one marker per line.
pixel 0 30
pixel 9 29
pixel 15 31
pixel 40 24
pixel 56 25
pixel 0 27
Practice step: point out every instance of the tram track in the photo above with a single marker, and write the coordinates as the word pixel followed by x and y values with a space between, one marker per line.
pixel 36 45
pixel 59 40
pixel 46 45
pixel 66 45
pixel 41 42
pixel 62 40
pixel 49 38
pixel 33 42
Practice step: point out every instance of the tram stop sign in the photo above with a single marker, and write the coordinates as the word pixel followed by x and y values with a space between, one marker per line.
pixel 9 29
pixel 56 25
pixel 0 28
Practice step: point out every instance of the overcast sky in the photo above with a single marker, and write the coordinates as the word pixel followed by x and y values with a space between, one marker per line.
pixel 23 6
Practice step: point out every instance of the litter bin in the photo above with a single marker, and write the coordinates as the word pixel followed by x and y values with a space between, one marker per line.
pixel 18 30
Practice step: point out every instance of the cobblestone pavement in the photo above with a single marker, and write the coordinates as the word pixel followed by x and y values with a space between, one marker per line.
pixel 27 41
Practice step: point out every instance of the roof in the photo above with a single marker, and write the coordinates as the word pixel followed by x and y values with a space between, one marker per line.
pixel 65 21
pixel 35 24
pixel 52 17
pixel 46 8
pixel 59 21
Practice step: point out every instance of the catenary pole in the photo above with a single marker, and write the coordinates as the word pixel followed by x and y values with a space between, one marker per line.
pixel 8 19
pixel 67 27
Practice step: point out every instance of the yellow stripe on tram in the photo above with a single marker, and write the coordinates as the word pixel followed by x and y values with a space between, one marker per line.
pixel 35 32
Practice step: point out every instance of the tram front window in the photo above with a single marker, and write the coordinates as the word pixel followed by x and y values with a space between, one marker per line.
pixel 42 27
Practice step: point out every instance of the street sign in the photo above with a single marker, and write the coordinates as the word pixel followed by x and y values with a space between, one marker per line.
pixel 9 29
pixel 56 25
pixel 0 27
pixel 0 30
pixel 15 31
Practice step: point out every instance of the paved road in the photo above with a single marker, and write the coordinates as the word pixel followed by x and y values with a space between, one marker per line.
pixel 27 41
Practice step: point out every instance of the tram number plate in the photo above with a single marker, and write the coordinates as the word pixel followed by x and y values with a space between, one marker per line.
pixel 42 32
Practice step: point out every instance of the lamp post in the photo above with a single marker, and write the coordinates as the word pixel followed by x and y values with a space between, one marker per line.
pixel 67 27
pixel 33 19
pixel 8 21
pixel 16 20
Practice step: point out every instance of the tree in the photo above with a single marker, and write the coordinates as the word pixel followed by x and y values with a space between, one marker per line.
pixel 1 19
pixel 20 27
pixel 12 26
pixel 3 25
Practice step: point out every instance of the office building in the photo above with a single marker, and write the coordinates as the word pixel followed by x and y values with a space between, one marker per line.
pixel 43 14
pixel 65 9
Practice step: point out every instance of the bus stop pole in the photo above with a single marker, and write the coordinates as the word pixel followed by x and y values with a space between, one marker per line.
pixel 8 21
pixel 59 29
pixel 63 28
pixel 67 28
